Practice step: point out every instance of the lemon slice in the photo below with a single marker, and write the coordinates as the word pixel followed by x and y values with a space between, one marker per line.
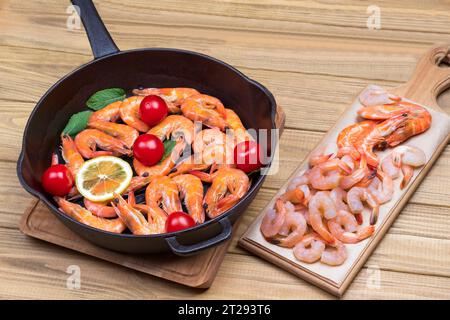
pixel 99 178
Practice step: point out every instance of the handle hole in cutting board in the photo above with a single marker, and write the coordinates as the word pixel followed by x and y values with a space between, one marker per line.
pixel 443 100
pixel 442 60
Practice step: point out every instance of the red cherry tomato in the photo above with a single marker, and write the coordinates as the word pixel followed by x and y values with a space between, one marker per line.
pixel 148 149
pixel 178 220
pixel 57 180
pixel 153 109
pixel 247 156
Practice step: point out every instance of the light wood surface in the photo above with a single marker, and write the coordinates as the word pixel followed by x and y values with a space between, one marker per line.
pixel 313 55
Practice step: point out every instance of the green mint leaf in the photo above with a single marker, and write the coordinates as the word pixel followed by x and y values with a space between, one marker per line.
pixel 168 147
pixel 102 98
pixel 77 123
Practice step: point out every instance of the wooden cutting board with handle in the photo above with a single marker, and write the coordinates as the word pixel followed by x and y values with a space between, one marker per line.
pixel 426 83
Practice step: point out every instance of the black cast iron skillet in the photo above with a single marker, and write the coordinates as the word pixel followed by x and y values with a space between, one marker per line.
pixel 154 67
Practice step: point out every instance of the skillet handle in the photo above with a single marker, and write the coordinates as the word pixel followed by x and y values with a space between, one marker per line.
pixel 101 42
pixel 185 250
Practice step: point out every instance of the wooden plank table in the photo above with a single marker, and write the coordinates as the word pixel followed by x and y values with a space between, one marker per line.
pixel 313 55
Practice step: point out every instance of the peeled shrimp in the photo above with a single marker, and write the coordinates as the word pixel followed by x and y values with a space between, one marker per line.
pixel 355 198
pixel 376 95
pixel 273 220
pixel 334 255
pixel 338 195
pixel 407 157
pixel 293 229
pixel 309 249
pixel 327 175
pixel 318 156
pixel 321 205
pixel 344 227
pixel 383 191
pixel 356 176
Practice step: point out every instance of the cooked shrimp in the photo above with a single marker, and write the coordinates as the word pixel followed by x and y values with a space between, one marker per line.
pixel 174 97
pixel 207 138
pixel 301 179
pixel 406 157
pixel 321 205
pixel 309 249
pixel 219 156
pixel 294 228
pixel 334 255
pixel 206 109
pixel 124 133
pixel 175 127
pixel 350 138
pixel 349 161
pixel 384 191
pixel 349 154
pixel 273 220
pixel 191 190
pixel 376 95
pixel 100 209
pixel 88 140
pixel 163 190
pixel 318 156
pixel 235 124
pixel 70 154
pixel 381 112
pixel 164 167
pixel 356 176
pixel 129 113
pixel 419 120
pixel 344 227
pixel 83 215
pixel 355 198
pixel 389 168
pixel 294 195
pixel 228 186
pixel 109 113
pixel 327 175
pixel 379 134
pixel 338 195
pixel 135 220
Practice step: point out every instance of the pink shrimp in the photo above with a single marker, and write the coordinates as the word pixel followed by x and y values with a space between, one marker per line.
pixel 344 227
pixel 321 205
pixel 334 255
pixel 355 198
pixel 100 209
pixel 273 220
pixel 309 249
pixel 327 175
pixel 87 141
pixel 293 229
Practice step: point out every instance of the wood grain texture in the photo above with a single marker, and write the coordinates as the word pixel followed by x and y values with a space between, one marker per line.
pixel 313 55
